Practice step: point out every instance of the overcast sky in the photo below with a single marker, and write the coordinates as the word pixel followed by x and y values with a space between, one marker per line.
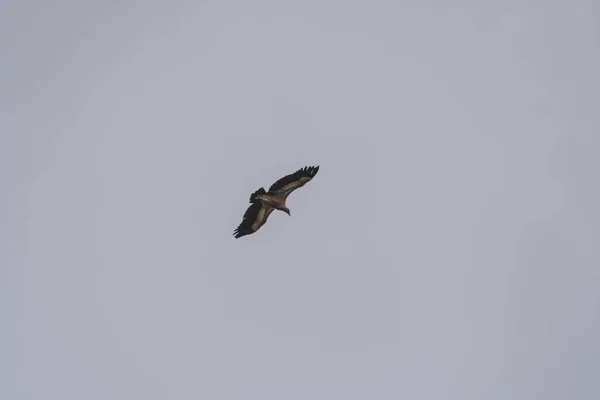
pixel 447 249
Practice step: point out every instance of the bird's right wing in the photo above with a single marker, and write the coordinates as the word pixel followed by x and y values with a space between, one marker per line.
pixel 286 185
pixel 255 216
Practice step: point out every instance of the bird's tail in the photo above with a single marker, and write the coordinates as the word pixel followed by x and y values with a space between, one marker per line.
pixel 253 195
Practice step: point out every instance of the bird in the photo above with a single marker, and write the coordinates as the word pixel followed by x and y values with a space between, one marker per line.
pixel 263 202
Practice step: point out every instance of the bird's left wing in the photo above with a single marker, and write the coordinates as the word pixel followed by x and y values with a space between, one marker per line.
pixel 255 216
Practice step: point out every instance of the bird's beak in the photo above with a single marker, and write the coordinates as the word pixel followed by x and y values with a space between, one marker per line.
pixel 288 213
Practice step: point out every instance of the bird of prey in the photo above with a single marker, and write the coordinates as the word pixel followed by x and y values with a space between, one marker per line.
pixel 263 202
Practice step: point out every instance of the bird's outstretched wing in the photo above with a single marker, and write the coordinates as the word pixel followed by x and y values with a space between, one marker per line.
pixel 291 182
pixel 255 216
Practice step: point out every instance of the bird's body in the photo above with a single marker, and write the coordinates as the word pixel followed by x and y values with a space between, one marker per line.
pixel 263 202
pixel 273 200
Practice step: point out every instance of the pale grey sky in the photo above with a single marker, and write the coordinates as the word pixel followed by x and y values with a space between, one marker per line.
pixel 447 249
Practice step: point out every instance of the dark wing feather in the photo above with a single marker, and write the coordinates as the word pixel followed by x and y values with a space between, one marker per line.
pixel 255 216
pixel 289 183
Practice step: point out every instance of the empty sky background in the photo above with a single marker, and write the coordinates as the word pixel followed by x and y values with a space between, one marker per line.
pixel 447 249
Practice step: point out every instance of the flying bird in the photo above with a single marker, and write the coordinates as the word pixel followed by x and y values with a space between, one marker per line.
pixel 263 202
